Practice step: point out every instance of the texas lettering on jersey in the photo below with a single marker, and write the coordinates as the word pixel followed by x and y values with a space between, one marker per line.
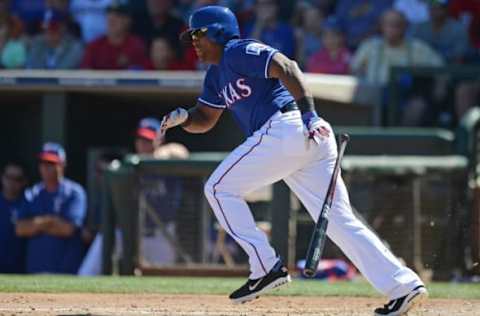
pixel 231 93
pixel 240 83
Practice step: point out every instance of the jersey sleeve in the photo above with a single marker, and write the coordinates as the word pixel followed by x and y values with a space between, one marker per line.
pixel 211 95
pixel 76 209
pixel 252 59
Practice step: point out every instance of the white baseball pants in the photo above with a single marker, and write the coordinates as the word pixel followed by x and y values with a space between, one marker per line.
pixel 279 150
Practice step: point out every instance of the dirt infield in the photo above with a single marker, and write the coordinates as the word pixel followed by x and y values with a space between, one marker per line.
pixel 156 304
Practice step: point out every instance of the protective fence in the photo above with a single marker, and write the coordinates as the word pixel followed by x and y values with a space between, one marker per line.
pixel 416 204
pixel 418 207
pixel 174 222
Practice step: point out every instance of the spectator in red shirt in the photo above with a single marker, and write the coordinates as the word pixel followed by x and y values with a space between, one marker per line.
pixel 118 49
pixel 334 57
pixel 164 56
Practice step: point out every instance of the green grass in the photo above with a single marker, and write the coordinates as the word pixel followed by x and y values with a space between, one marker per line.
pixel 186 285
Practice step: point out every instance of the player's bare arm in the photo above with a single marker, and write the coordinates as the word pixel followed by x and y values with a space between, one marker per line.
pixel 201 118
pixel 288 72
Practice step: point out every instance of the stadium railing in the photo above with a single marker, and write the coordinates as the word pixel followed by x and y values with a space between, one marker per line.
pixel 401 76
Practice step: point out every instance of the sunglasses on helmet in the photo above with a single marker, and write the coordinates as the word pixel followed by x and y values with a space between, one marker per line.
pixel 198 33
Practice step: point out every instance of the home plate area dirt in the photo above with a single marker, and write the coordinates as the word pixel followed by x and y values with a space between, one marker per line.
pixel 156 304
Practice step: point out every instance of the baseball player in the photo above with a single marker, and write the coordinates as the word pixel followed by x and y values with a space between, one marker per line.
pixel 285 140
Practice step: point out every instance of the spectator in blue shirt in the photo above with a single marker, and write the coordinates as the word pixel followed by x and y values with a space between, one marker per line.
pixel 53 221
pixel 269 29
pixel 446 35
pixel 12 201
pixel 360 18
pixel 55 47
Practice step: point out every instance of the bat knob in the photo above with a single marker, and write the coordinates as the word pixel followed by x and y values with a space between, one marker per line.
pixel 344 137
pixel 309 273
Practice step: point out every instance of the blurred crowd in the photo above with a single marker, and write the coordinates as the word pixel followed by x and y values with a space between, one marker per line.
pixel 325 36
pixel 364 38
pixel 47 227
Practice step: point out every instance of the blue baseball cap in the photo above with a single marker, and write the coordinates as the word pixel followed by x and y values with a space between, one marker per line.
pixel 52 152
pixel 148 128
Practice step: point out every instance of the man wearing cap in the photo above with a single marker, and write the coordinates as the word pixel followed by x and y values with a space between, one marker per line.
pixel 162 193
pixel 53 221
pixel 155 247
pixel 118 49
pixel 55 47
pixel 146 144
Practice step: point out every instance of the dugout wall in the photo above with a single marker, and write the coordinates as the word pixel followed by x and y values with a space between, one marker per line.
pixel 89 109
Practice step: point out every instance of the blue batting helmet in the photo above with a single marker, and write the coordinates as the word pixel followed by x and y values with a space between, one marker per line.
pixel 218 23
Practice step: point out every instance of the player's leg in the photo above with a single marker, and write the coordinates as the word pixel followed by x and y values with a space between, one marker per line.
pixel 358 242
pixel 240 171
pixel 377 264
pixel 255 163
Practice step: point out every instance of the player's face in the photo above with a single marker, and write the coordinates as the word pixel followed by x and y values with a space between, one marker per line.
pixel 206 50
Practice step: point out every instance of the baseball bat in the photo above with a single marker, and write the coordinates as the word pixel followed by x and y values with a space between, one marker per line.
pixel 319 235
